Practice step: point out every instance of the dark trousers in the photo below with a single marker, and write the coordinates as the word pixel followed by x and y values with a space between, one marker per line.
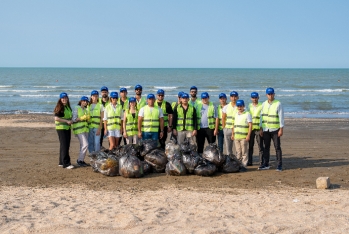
pixel 220 140
pixel 102 135
pixel 267 137
pixel 120 139
pixel 163 139
pixel 259 139
pixel 204 133
pixel 64 140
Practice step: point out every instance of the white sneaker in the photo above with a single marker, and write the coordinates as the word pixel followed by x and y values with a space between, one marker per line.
pixel 60 165
pixel 70 167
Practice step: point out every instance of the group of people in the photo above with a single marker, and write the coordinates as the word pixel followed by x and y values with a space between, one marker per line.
pixel 118 117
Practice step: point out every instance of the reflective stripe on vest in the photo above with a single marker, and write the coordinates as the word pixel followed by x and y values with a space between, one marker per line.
pixel 189 120
pixel 131 123
pixel 163 107
pixel 81 126
pixel 270 117
pixel 141 103
pixel 95 116
pixel 255 112
pixel 67 115
pixel 241 126
pixel 230 112
pixel 220 113
pixel 113 117
pixel 151 120
pixel 210 115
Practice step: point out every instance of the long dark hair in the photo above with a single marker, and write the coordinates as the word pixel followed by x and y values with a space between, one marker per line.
pixel 129 105
pixel 60 107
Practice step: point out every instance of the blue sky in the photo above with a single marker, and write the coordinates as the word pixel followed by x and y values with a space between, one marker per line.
pixel 161 34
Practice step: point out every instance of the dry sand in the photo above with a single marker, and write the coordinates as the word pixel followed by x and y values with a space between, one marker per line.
pixel 38 196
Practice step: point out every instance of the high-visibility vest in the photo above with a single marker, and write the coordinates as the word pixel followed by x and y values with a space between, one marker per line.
pixel 131 123
pixel 255 112
pixel 230 112
pixel 151 120
pixel 141 103
pixel 241 126
pixel 67 115
pixel 189 119
pixel 81 126
pixel 270 116
pixel 195 104
pixel 163 107
pixel 173 105
pixel 125 106
pixel 220 113
pixel 100 102
pixel 210 115
pixel 95 116
pixel 113 117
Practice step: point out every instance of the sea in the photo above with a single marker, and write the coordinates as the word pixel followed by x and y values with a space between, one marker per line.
pixel 304 93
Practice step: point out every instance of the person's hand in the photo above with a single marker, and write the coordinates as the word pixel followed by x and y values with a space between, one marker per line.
pixel 88 117
pixel 105 132
pixel 247 138
pixel 194 133
pixel 69 122
pixel 169 129
pixel 215 132
pixel 161 134
pixel 174 132
pixel 140 135
pixel 232 137
pixel 125 134
pixel 82 118
pixel 98 132
pixel 280 132
pixel 261 132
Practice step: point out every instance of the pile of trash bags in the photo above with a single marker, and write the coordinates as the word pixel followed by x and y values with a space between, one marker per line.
pixel 136 160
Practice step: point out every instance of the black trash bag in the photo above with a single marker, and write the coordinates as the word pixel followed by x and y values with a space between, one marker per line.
pixel 188 145
pixel 116 151
pixel 175 167
pixel 130 167
pixel 230 165
pixel 205 168
pixel 191 161
pixel 157 159
pixel 212 154
pixel 147 168
pixel 172 149
pixel 147 146
pixel 105 164
pixel 130 149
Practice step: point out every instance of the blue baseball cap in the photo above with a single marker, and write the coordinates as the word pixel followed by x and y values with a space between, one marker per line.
pixel 132 99
pixel 193 87
pixel 114 95
pixel 63 95
pixel 123 90
pixel 104 88
pixel 205 95
pixel 138 87
pixel 254 95
pixel 84 98
pixel 222 95
pixel 240 103
pixel 160 91
pixel 185 95
pixel 94 92
pixel 180 94
pixel 233 93
pixel 151 96
pixel 269 91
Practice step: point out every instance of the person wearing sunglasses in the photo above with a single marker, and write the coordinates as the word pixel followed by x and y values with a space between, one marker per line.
pixel 194 101
pixel 141 101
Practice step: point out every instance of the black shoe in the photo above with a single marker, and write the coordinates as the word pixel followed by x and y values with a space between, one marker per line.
pixel 85 164
pixel 80 163
pixel 242 169
pixel 249 164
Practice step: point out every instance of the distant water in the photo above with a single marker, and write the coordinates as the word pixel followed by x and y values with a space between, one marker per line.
pixel 309 93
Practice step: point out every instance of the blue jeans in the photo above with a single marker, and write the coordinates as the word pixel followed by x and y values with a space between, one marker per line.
pixel 93 140
pixel 150 135
pixel 220 140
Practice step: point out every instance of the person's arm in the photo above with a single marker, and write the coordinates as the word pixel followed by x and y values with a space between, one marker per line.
pixel 105 118
pixel 161 127
pixel 249 121
pixel 140 121
pixel 281 119
pixel 174 122
pixel 124 125
pixel 59 119
pixel 195 121
pixel 260 122
pixel 216 122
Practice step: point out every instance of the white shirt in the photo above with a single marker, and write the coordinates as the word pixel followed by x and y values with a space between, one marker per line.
pixel 141 112
pixel 248 119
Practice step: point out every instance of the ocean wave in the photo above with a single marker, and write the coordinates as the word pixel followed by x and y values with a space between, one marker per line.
pixel 165 87
pixel 127 86
pixel 6 86
pixel 314 90
pixel 48 87
pixel 25 91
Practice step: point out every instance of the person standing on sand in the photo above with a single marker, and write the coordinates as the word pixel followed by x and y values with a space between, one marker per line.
pixel 81 117
pixel 141 101
pixel 255 110
pixel 113 118
pixel 150 119
pixel 184 120
pixel 123 101
pixel 271 128
pixel 228 115
pixel 130 124
pixel 63 116
pixel 207 122
pixel 167 112
pixel 95 123
pixel 241 133
pixel 104 101
pixel 222 103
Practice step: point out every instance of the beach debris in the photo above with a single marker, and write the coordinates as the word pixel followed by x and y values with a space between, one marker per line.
pixel 175 167
pixel 172 149
pixel 147 169
pixel 157 159
pixel 188 145
pixel 323 183
pixel 191 161
pixel 130 167
pixel 231 164
pixel 147 146
pixel 205 168
pixel 212 154
pixel 106 164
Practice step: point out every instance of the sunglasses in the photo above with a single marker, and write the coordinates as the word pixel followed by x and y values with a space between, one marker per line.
pixel 138 89
pixel 160 95
pixel 254 97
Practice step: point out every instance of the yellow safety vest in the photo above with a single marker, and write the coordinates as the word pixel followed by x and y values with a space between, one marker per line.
pixel 151 120
pixel 100 102
pixel 95 116
pixel 255 112
pixel 125 106
pixel 142 103
pixel 163 107
pixel 113 117
pixel 67 115
pixel 189 120
pixel 131 123
pixel 241 126
pixel 220 113
pixel 81 126
pixel 230 112
pixel 210 115
pixel 270 116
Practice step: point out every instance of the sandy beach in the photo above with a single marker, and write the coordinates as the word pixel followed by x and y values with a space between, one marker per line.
pixel 38 196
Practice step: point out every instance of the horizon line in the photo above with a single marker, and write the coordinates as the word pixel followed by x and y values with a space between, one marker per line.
pixel 182 67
